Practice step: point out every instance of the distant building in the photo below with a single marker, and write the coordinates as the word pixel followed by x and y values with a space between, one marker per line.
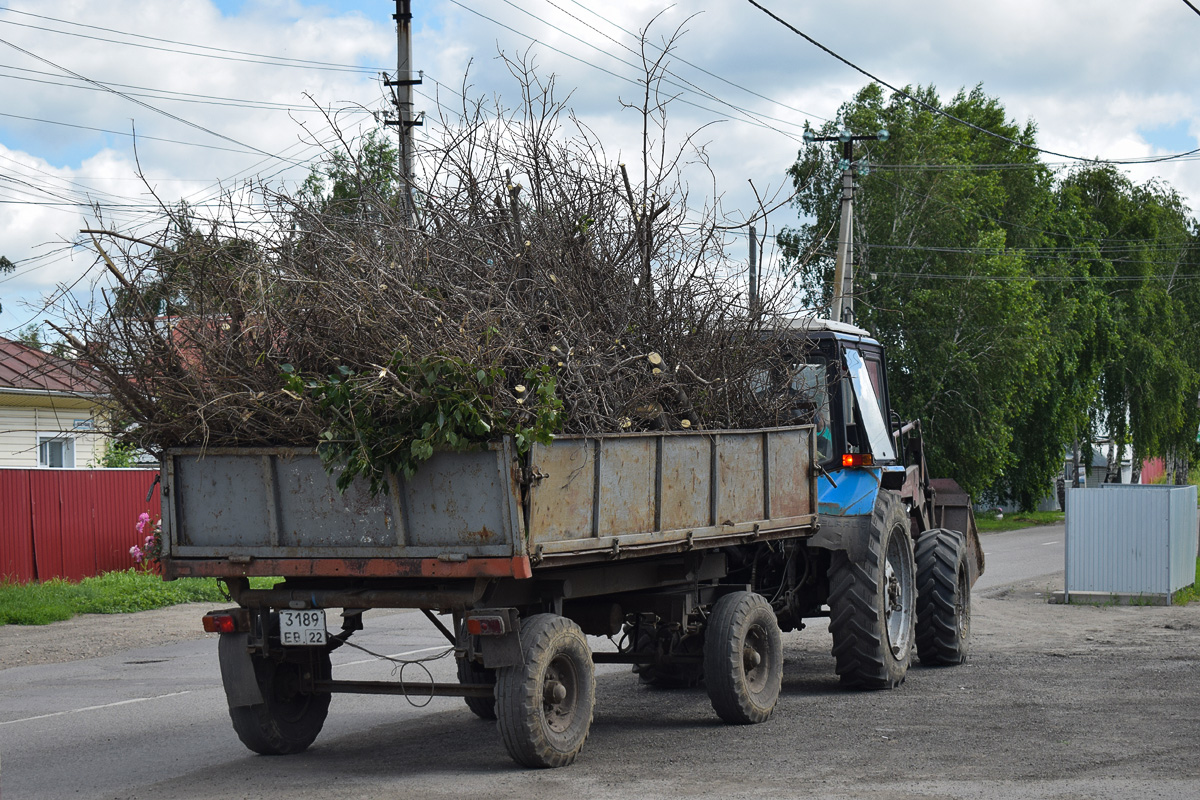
pixel 50 410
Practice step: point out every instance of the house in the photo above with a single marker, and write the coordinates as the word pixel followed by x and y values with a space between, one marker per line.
pixel 50 410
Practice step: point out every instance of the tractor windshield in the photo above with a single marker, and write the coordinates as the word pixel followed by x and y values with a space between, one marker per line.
pixel 869 403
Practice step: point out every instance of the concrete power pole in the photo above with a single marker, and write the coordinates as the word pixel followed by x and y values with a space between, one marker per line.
pixel 753 305
pixel 406 119
pixel 841 308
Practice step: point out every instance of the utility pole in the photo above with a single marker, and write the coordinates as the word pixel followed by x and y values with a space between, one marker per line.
pixel 402 97
pixel 753 306
pixel 841 309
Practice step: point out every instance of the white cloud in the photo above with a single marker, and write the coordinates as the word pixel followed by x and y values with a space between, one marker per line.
pixel 1095 76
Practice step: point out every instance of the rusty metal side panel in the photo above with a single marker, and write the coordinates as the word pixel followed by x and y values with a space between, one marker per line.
pixel 562 504
pixel 627 500
pixel 789 470
pixel 463 502
pixel 686 482
pixel 313 513
pixel 628 494
pixel 740 478
pixel 279 503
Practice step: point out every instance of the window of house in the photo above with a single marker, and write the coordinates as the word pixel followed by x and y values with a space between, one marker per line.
pixel 56 452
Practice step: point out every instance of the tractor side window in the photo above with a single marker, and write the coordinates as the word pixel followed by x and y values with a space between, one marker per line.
pixel 810 391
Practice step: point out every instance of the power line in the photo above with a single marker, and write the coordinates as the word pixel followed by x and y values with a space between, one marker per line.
pixel 123 133
pixel 609 72
pixel 755 118
pixel 941 112
pixel 136 101
pixel 272 61
pixel 691 64
pixel 1188 3
pixel 166 94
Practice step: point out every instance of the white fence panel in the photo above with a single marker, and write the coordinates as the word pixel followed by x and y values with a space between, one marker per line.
pixel 1131 539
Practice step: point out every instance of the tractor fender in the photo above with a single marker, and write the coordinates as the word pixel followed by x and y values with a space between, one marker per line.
pixel 852 533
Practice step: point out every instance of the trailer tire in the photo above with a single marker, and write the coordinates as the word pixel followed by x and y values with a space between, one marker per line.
pixel 544 706
pixel 470 672
pixel 288 720
pixel 943 598
pixel 743 658
pixel 872 602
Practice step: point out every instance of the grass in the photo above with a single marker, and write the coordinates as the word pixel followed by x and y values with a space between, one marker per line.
pixel 987 522
pixel 110 593
pixel 1189 594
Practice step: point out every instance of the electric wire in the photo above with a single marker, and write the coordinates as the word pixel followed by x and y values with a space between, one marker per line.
pixel 271 61
pixel 754 118
pixel 942 112
pixel 689 63
pixel 163 94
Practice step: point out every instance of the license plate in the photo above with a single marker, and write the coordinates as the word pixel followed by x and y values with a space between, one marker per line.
pixel 302 628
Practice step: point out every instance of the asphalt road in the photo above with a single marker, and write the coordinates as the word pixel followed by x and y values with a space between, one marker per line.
pixel 152 722
pixel 1021 555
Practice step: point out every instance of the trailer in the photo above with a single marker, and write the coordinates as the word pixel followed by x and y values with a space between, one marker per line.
pixel 515 559
pixel 697 549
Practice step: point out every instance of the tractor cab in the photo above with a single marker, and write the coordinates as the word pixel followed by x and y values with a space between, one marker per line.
pixel 839 382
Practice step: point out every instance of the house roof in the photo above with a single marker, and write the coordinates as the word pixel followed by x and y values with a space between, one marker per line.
pixel 27 369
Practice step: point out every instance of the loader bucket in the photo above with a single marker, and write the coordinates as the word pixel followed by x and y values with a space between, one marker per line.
pixel 952 509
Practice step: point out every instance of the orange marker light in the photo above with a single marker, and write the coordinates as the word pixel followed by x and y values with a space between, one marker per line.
pixel 858 460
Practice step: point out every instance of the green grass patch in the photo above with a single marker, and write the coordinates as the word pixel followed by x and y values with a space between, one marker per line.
pixel 111 593
pixel 1189 594
pixel 988 523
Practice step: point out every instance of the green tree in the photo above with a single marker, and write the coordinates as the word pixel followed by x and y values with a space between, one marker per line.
pixel 355 181
pixel 958 248
pixel 1150 381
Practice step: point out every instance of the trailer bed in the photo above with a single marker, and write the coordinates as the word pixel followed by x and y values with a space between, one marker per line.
pixel 238 512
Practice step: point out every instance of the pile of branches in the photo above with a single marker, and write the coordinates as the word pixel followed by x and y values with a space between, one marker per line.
pixel 530 288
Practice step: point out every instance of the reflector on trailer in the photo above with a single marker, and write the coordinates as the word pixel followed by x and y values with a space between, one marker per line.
pixel 486 626
pixel 220 623
pixel 858 460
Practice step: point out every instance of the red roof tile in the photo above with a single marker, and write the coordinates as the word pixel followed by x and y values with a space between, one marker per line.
pixel 27 368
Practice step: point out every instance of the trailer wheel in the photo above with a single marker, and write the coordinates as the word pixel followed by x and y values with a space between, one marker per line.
pixel 470 672
pixel 288 720
pixel 943 598
pixel 544 706
pixel 743 658
pixel 872 603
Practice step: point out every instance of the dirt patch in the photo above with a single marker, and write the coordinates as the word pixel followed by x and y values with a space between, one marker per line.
pixel 95 635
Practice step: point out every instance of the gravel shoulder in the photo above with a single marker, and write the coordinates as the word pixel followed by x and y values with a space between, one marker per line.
pixel 96 635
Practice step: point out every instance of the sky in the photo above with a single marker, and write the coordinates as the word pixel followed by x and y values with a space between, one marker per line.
pixel 111 108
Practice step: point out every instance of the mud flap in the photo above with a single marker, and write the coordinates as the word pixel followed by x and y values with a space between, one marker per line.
pixel 237 671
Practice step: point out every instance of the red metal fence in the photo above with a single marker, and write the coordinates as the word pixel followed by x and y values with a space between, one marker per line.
pixel 71 523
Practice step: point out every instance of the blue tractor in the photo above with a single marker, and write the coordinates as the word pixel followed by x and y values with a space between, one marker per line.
pixel 896 552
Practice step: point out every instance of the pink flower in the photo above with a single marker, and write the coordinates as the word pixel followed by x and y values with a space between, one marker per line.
pixel 136 553
pixel 143 521
pixel 149 542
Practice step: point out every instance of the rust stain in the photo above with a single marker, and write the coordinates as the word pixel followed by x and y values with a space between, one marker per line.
pixel 481 536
